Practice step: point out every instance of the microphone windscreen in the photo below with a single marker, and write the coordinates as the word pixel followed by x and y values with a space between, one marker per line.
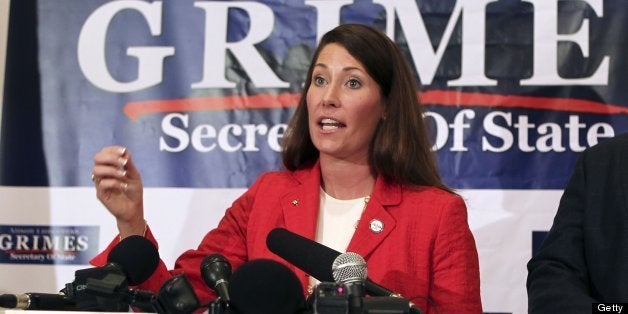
pixel 349 267
pixel 264 286
pixel 137 257
pixel 8 301
pixel 176 296
pixel 310 256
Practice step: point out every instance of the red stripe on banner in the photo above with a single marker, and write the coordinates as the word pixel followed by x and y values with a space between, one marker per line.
pixel 453 98
pixel 134 110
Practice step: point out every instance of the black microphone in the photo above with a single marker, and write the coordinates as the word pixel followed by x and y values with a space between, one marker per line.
pixel 137 256
pixel 309 256
pixel 105 288
pixel 313 258
pixel 264 286
pixel 176 296
pixel 37 301
pixel 216 271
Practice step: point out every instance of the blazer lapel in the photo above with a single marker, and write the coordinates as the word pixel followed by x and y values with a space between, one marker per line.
pixel 300 209
pixel 300 205
pixel 376 223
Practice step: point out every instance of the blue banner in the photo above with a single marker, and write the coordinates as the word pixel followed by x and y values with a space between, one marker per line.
pixel 201 91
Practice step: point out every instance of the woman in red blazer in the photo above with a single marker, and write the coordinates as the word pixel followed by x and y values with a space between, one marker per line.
pixel 360 177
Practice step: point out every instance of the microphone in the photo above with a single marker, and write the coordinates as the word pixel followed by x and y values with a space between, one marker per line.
pixel 37 301
pixel 349 269
pixel 176 296
pixel 216 270
pixel 317 260
pixel 264 286
pixel 309 256
pixel 130 262
pixel 313 258
pixel 137 257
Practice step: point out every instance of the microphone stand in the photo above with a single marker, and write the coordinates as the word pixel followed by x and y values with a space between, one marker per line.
pixel 218 306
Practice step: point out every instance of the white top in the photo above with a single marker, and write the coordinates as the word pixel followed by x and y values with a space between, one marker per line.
pixel 337 220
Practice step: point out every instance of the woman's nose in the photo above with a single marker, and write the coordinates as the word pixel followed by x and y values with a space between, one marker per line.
pixel 331 97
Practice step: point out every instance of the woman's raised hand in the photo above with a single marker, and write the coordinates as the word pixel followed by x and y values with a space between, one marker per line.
pixel 119 188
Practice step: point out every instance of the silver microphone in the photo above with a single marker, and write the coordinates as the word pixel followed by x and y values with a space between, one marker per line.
pixel 350 269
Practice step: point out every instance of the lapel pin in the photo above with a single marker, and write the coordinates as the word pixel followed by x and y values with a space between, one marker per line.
pixel 376 226
pixel 295 202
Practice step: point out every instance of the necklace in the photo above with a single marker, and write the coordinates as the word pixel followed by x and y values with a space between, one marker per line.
pixel 366 201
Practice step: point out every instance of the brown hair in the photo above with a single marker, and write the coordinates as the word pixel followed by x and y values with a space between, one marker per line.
pixel 400 149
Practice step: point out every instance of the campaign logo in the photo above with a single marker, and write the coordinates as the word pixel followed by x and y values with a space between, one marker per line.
pixel 29 244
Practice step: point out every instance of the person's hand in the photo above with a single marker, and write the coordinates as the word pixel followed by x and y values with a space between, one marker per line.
pixel 119 188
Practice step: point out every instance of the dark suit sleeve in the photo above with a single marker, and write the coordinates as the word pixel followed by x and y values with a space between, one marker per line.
pixel 558 280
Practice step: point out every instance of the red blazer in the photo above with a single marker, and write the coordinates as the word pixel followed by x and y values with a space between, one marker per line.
pixel 425 251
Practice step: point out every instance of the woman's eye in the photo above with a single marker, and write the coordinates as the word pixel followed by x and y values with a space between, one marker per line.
pixel 353 83
pixel 319 81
